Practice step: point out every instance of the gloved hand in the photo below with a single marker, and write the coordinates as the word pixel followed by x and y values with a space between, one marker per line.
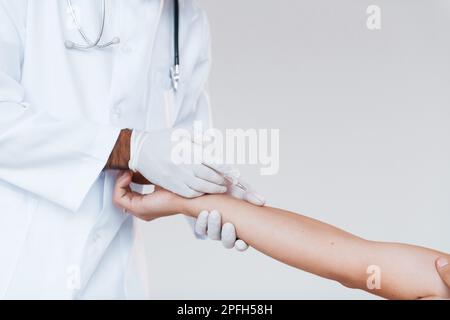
pixel 151 155
pixel 210 223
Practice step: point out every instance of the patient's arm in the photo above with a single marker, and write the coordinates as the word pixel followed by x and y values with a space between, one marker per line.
pixel 407 272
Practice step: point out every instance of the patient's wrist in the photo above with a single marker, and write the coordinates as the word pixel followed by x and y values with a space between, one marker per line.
pixel 193 207
pixel 189 207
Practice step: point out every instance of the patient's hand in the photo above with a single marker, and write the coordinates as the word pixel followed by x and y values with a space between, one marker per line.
pixel 161 203
pixel 443 268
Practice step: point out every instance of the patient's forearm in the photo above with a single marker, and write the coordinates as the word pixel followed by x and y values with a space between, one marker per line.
pixel 407 272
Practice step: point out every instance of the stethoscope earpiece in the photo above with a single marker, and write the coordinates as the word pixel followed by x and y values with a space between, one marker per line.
pixel 89 43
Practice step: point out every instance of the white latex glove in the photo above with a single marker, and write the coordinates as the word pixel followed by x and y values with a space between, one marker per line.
pixel 151 155
pixel 210 223
pixel 236 187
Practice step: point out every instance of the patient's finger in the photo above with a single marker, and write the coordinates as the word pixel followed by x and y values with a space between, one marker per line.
pixel 432 298
pixel 443 267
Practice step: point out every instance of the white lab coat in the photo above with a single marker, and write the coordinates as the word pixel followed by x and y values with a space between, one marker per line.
pixel 60 114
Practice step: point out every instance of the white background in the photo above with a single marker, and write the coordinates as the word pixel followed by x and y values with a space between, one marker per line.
pixel 365 135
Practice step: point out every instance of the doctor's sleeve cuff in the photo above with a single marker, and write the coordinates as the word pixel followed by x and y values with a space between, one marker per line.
pixel 103 142
pixel 100 149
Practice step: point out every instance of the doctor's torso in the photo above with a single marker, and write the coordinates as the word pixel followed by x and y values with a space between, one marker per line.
pixel 45 246
pixel 125 85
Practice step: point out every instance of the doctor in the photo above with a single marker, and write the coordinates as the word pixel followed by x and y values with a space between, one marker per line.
pixel 87 87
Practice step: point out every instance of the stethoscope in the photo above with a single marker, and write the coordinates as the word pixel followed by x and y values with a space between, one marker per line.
pixel 174 71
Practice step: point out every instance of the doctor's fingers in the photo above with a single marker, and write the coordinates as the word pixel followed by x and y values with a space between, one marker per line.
pixel 255 198
pixel 248 194
pixel 201 224
pixel 222 168
pixel 210 225
pixel 214 225
pixel 212 229
pixel 241 245
pixel 186 192
pixel 228 235
pixel 230 240
pixel 203 172
pixel 204 186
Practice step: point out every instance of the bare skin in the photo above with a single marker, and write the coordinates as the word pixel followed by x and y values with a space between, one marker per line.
pixel 407 272
pixel 443 268
pixel 120 156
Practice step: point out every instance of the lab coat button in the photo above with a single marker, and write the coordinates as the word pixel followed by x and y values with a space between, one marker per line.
pixel 96 237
